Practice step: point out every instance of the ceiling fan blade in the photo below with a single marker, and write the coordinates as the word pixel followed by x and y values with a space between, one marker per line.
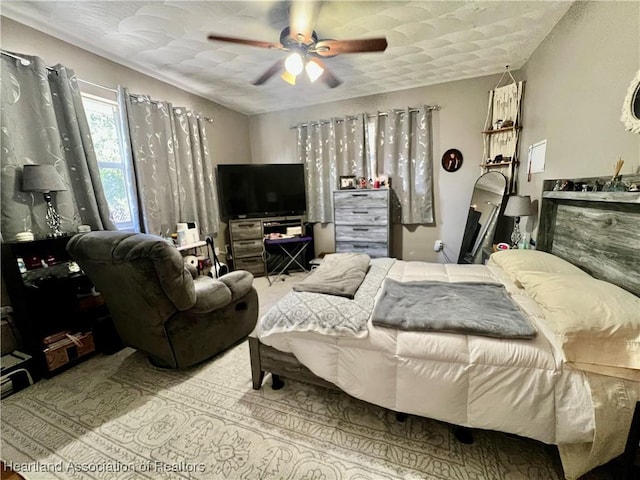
pixel 302 16
pixel 275 68
pixel 331 48
pixel 327 77
pixel 242 41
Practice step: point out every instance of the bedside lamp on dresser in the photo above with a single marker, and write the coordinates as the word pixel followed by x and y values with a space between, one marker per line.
pixel 45 179
pixel 518 206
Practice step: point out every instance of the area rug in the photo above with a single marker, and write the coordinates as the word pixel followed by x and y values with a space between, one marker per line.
pixel 118 417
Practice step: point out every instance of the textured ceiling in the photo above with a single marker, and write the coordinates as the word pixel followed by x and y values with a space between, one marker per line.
pixel 430 42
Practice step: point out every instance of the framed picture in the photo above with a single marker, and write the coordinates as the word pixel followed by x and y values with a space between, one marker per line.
pixel 347 182
pixel 452 160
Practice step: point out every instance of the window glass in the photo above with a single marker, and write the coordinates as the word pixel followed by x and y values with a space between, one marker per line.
pixel 103 119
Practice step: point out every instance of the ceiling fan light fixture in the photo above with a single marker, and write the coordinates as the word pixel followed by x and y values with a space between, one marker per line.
pixel 313 70
pixel 287 77
pixel 294 64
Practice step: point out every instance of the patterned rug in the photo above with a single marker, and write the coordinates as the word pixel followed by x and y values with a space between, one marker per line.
pixel 118 417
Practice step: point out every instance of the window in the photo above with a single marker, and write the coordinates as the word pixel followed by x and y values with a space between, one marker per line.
pixel 104 123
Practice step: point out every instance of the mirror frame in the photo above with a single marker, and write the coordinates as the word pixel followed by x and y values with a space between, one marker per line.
pixel 629 118
pixel 472 252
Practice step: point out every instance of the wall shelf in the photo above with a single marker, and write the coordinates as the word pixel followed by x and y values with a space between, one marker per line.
pixel 501 130
pixel 501 164
pixel 617 197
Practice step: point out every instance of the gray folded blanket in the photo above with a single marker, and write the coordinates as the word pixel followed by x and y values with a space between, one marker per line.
pixel 470 308
pixel 339 274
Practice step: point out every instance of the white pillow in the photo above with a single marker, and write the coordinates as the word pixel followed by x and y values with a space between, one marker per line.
pixel 595 321
pixel 514 261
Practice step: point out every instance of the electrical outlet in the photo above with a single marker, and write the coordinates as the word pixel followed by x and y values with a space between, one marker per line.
pixel 438 246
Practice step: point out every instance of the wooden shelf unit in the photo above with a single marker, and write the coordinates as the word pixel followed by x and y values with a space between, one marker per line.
pixel 247 240
pixel 505 103
pixel 52 298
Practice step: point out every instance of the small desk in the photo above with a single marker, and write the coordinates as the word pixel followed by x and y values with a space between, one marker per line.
pixel 297 247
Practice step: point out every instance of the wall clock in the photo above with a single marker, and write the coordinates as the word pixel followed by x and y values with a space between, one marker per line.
pixel 452 160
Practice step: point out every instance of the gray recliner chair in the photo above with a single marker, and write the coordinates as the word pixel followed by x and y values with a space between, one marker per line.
pixel 157 305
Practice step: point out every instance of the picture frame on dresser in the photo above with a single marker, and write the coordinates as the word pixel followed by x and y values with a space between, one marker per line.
pixel 347 182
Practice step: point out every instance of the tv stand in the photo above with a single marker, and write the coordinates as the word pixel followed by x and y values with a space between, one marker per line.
pixel 247 240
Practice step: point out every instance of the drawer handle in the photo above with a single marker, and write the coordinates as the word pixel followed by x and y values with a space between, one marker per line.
pixel 357 212
pixel 245 225
pixel 359 195
pixel 246 243
pixel 360 246
pixel 356 229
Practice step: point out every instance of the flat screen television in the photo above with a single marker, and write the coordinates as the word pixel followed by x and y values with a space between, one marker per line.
pixel 261 190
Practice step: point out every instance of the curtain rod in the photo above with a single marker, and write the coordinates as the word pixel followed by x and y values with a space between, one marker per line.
pixel 369 115
pixel 26 62
pixel 145 98
pixel 97 85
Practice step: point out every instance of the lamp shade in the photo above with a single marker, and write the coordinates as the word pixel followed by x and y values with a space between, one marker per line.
pixel 41 178
pixel 518 206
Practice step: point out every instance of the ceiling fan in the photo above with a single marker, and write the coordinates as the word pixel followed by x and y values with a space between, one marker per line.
pixel 306 50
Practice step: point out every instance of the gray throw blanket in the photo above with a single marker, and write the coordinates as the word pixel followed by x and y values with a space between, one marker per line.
pixel 459 307
pixel 327 314
pixel 339 274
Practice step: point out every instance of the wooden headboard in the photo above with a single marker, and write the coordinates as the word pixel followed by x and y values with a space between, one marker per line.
pixel 597 231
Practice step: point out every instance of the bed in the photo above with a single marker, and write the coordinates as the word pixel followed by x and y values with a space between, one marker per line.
pixel 573 385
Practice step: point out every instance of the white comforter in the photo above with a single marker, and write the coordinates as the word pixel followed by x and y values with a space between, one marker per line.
pixel 516 386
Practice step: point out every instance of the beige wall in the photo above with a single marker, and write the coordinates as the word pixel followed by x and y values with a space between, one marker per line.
pixel 577 80
pixel 458 123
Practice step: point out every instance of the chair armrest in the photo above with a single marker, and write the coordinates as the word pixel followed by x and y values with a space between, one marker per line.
pixel 239 282
pixel 211 294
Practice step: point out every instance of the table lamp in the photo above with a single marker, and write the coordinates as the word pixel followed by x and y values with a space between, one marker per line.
pixel 45 179
pixel 518 206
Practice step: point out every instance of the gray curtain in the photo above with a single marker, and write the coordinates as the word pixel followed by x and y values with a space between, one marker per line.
pixel 397 144
pixel 43 122
pixel 330 149
pixel 173 171
pixel 404 153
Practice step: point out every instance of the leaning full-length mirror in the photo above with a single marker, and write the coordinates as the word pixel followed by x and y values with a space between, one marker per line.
pixel 485 211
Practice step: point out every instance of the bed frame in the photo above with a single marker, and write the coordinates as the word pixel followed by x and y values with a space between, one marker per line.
pixel 597 231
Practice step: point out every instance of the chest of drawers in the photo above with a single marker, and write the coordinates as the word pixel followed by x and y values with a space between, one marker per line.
pixel 247 240
pixel 247 246
pixel 362 221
